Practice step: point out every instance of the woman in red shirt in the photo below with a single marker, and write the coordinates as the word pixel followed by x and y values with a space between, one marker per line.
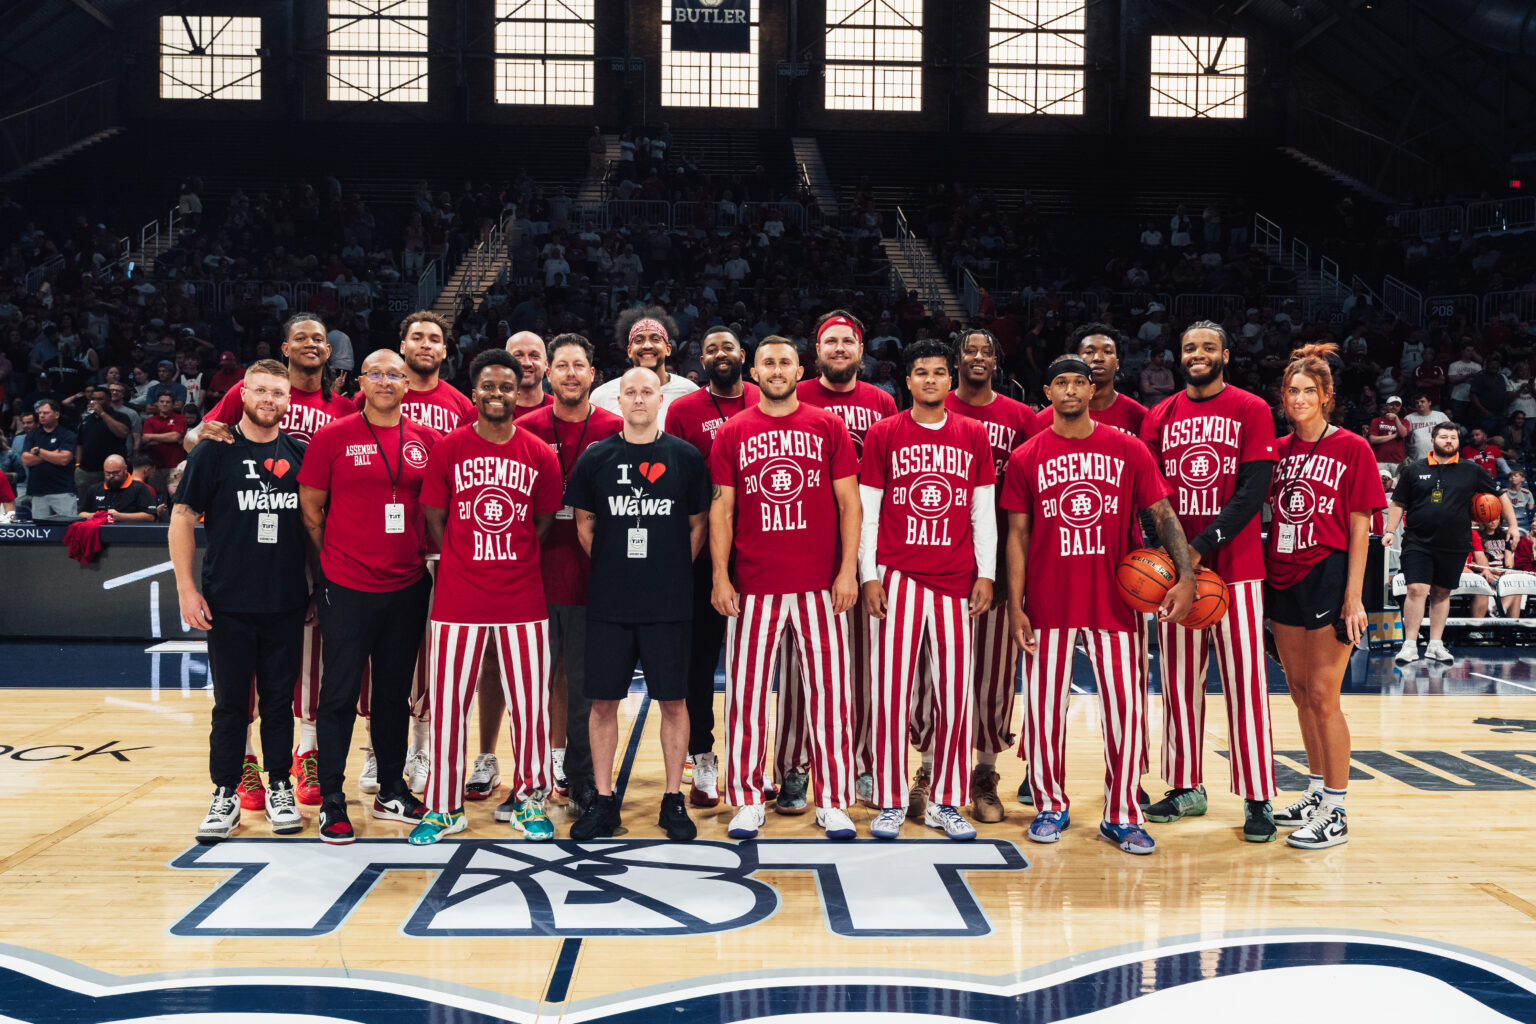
pixel 1324 490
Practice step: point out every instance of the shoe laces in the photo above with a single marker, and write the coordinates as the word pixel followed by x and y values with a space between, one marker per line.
pixel 223 805
pixel 948 815
pixel 309 769
pixel 250 776
pixel 281 798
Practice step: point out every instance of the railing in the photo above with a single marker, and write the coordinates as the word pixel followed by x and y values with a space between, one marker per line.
pixel 1495 215
pixel 56 124
pixel 1449 307
pixel 1404 299
pixel 430 284
pixel 919 263
pixel 1520 305
pixel 1268 238
pixel 1379 162
pixel 1431 221
pixel 1217 306
pixel 970 292
pixel 40 273
pixel 477 263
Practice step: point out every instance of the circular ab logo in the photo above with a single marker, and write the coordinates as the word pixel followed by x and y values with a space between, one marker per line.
pixel 1298 501
pixel 930 495
pixel 781 480
pixel 493 509
pixel 1200 467
pixel 415 453
pixel 1081 505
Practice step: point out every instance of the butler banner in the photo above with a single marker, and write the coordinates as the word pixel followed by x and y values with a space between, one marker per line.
pixel 717 26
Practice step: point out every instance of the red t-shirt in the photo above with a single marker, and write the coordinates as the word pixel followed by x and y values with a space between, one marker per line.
pixel 1314 489
pixel 489 571
pixel 444 408
pixel 167 454
pixel 859 409
pixel 782 468
pixel 1125 413
pixel 1395 450
pixel 1084 497
pixel 928 476
pixel 1199 444
pixel 545 401
pixel 344 460
pixel 308 411
pixel 6 491
pixel 1487 456
pixel 1008 424
pixel 697 416
pixel 566 568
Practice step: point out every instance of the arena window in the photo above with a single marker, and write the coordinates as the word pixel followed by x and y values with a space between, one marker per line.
pixel 707 79
pixel 1035 57
pixel 378 50
pixel 874 55
pixel 544 52
pixel 1199 76
pixel 210 58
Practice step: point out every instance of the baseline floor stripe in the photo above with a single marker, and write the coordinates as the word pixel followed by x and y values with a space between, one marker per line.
pixel 570 949
pixel 1508 898
pixel 31 850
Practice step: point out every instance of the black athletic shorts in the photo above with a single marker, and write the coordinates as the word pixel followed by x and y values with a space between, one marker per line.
pixel 660 648
pixel 1427 565
pixel 1317 599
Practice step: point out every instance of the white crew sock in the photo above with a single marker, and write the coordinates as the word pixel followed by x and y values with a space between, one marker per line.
pixel 307 739
pixel 421 734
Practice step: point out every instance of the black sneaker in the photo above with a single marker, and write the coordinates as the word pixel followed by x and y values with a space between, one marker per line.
pixel 583 794
pixel 1026 795
pixel 599 820
pixel 1142 799
pixel 1258 821
pixel 674 818
pixel 398 804
pixel 507 809
pixel 1176 804
pixel 335 826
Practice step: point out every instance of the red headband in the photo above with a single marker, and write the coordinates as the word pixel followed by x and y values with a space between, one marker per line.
pixel 841 321
pixel 641 326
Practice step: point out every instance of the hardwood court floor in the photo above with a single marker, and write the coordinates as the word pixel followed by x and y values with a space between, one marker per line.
pixel 98 869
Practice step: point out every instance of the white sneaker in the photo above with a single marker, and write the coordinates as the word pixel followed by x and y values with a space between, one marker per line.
pixel 747 821
pixel 283 809
pixel 705 791
pixel 1328 826
pixel 943 816
pixel 484 777
pixel 1436 651
pixel 836 823
pixel 1410 651
pixel 557 768
pixel 368 781
pixel 417 766
pixel 887 824
pixel 223 817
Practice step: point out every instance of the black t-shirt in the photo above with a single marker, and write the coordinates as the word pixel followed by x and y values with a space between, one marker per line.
pixel 45 477
pixel 136 497
pixel 97 440
pixel 249 496
pixel 1444 525
pixel 655 488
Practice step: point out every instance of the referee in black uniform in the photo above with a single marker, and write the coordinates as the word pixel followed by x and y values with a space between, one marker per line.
pixel 1436 494
pixel 254 594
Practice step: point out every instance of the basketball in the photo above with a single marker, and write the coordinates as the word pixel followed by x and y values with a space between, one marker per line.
pixel 1210 601
pixel 1486 508
pixel 1144 578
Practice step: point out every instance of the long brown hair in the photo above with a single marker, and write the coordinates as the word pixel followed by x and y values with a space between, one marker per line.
pixel 1312 361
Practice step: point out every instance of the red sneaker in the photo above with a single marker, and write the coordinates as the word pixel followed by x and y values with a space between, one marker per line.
pixel 306 777
pixel 253 795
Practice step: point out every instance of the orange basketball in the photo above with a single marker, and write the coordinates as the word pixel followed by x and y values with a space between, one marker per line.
pixel 1144 577
pixel 1486 508
pixel 1210 601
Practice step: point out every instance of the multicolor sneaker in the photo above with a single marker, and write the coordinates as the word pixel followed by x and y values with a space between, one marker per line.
pixel 688 769
pixel 887 824
pixel 1176 804
pixel 953 823
pixel 484 777
pixel 531 820
pixel 791 798
pixel 557 770
pixel 917 794
pixel 705 790
pixel 253 795
pixel 1328 826
pixel 335 826
pixel 1130 838
pixel 306 776
pixel 434 826
pixel 1258 821
pixel 1048 826
pixel 1297 814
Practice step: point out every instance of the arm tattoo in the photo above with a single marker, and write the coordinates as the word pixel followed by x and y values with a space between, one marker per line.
pixel 715 495
pixel 1172 536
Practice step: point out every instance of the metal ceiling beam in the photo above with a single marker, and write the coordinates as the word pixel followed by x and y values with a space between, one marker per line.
pixel 94 11
pixel 1324 28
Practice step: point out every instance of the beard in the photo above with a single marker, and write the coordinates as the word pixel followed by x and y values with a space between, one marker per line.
pixel 264 419
pixel 423 363
pixel 777 392
pixel 1201 380
pixel 722 380
pixel 838 376
pixel 495 417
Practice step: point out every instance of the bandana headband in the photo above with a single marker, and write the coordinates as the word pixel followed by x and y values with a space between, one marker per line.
pixel 841 321
pixel 1074 365
pixel 641 326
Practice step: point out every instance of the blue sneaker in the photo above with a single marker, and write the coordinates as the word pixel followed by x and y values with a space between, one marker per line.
pixel 887 824
pixel 1048 826
pixel 531 820
pixel 1130 838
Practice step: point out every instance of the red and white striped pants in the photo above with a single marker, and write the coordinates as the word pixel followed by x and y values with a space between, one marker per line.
pixel 1239 642
pixel 920 621
pixel 523 649
pixel 792 743
pixel 751 651
pixel 1116 660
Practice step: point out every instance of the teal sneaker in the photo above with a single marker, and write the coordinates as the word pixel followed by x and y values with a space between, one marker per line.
pixel 434 826
pixel 1178 803
pixel 530 819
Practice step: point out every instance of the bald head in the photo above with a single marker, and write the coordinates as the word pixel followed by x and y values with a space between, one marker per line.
pixel 114 463
pixel 639 402
pixel 528 349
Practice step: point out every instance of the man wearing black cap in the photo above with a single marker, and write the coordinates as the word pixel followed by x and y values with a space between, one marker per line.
pixel 1388 434
pixel 166 382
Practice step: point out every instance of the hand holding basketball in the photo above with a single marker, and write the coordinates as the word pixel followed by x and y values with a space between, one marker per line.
pixel 1486 508
pixel 1175 607
pixel 1144 578
pixel 1211 599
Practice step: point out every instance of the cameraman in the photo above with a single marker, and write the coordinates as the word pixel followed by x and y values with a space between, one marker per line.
pixel 103 432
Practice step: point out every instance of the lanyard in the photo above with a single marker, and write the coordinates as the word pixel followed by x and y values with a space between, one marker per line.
pixel 1292 479
pixel 554 427
pixel 716 404
pixel 394 474
pixel 630 446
